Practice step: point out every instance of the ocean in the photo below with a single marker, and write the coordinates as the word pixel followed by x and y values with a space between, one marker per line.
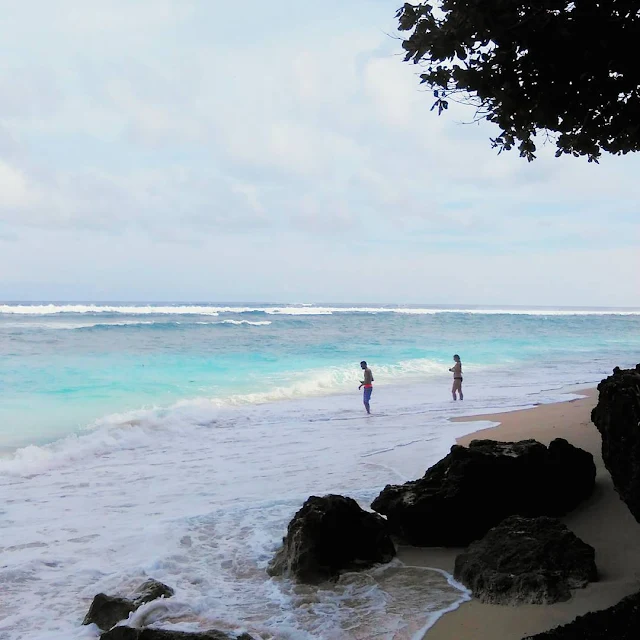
pixel 177 441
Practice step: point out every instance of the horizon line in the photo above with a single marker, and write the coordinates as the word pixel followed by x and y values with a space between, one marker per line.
pixel 98 302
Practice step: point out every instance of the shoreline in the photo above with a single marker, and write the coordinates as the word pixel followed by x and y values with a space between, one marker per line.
pixel 603 521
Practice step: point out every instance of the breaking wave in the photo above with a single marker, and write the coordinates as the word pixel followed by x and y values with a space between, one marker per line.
pixel 292 310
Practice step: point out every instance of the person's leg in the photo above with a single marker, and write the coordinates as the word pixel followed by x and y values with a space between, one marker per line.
pixel 366 397
pixel 460 390
pixel 453 390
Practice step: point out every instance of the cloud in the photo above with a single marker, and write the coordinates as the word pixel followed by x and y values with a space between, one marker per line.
pixel 15 193
pixel 177 121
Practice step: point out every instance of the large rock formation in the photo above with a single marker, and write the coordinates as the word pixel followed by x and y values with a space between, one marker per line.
pixel 330 535
pixel 106 611
pixel 526 561
pixel 620 622
pixel 128 633
pixel 617 416
pixel 473 489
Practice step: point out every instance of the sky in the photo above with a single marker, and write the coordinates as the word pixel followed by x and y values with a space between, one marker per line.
pixel 201 150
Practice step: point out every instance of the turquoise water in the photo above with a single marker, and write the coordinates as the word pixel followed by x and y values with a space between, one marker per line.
pixel 62 367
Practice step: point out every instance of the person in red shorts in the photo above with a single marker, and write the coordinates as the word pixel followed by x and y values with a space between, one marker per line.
pixel 368 387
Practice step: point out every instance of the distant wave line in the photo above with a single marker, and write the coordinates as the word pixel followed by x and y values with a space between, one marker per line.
pixel 291 310
pixel 135 324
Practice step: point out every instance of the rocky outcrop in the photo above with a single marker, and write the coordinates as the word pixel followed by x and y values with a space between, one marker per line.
pixel 474 488
pixel 106 611
pixel 617 416
pixel 128 633
pixel 526 561
pixel 330 535
pixel 620 622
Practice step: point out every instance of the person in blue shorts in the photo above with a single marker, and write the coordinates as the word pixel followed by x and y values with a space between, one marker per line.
pixel 367 384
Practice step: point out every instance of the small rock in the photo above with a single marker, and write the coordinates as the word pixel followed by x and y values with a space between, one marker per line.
pixel 526 561
pixel 106 611
pixel 151 590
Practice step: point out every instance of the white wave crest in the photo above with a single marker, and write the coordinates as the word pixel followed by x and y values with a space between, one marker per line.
pixel 132 310
pixel 56 324
pixel 71 326
pixel 34 459
pixel 293 310
pixel 328 381
pixel 257 323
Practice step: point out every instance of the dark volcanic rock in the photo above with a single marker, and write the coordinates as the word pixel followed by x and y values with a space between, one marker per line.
pixel 106 611
pixel 121 633
pixel 473 489
pixel 526 561
pixel 620 622
pixel 127 633
pixel 617 416
pixel 329 535
pixel 151 590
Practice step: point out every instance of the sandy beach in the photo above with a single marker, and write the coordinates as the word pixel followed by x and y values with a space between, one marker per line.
pixel 603 521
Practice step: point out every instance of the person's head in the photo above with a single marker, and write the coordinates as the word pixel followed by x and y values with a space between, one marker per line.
pixel 363 364
pixel 456 358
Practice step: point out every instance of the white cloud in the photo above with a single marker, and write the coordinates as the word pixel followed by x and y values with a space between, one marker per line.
pixel 178 120
pixel 14 189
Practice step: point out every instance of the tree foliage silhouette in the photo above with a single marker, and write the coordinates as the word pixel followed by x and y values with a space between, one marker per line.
pixel 566 69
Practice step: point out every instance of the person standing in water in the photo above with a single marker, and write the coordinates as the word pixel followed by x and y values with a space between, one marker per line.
pixel 366 383
pixel 457 377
